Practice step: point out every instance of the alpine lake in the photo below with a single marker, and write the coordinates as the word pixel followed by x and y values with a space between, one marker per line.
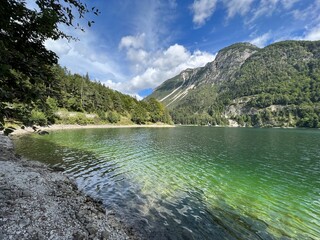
pixel 194 182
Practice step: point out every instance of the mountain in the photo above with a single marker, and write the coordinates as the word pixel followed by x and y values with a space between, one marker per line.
pixel 278 85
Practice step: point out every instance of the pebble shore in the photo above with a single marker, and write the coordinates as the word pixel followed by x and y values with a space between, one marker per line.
pixel 38 203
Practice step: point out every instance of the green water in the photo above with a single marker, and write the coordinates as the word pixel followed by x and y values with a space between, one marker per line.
pixel 195 182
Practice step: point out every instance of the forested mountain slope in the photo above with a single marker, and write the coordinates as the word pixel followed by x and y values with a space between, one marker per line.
pixel 73 99
pixel 278 85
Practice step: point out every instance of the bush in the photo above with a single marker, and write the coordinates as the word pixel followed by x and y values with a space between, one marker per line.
pixel 113 117
pixel 38 117
pixel 102 115
pixel 51 108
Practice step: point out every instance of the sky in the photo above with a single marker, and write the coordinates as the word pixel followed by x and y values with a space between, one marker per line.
pixel 135 45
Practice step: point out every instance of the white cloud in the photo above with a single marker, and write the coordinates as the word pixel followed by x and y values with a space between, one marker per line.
pixel 268 7
pixel 265 8
pixel 154 19
pixel 312 18
pixel 137 55
pixel 311 13
pixel 59 47
pixel 288 4
pixel 135 52
pixel 313 34
pixel 202 11
pixel 237 7
pixel 262 40
pixel 132 41
pixel 162 66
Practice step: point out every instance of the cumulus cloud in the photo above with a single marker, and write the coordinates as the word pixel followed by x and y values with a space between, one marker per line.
pixel 202 11
pixel 161 66
pixel 134 48
pixel 262 40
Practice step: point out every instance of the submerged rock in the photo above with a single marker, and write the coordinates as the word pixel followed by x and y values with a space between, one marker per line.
pixel 43 133
pixel 57 169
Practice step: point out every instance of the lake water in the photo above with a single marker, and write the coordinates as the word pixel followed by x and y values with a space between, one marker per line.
pixel 195 182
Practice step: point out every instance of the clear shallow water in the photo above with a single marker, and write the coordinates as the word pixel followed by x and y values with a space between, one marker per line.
pixel 195 182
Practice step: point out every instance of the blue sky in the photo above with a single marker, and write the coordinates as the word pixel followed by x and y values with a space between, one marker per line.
pixel 135 45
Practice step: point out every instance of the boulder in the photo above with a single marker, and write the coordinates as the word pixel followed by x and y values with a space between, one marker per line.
pixel 7 131
pixel 43 133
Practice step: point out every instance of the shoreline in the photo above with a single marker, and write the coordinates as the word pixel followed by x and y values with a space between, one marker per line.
pixel 57 127
pixel 38 202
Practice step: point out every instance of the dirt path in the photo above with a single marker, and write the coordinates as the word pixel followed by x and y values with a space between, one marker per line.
pixel 38 203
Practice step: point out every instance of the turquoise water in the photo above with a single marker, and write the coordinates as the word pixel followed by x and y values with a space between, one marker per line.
pixel 195 182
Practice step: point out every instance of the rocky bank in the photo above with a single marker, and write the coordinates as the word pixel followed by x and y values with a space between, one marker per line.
pixel 38 203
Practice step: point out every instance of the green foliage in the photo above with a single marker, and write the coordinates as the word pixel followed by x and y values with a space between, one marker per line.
pixel 25 63
pixel 19 111
pixel 157 111
pixel 113 117
pixel 50 109
pixel 63 116
pixel 37 117
pixel 102 115
pixel 282 74
pixel 76 93
pixel 139 115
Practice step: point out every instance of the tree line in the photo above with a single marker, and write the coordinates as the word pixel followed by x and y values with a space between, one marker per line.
pixel 69 92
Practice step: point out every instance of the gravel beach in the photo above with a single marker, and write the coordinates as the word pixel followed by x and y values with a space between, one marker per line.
pixel 37 202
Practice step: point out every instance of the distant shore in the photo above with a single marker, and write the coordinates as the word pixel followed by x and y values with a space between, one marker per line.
pixel 56 127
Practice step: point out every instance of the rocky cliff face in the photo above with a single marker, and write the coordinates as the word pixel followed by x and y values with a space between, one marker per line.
pixel 228 61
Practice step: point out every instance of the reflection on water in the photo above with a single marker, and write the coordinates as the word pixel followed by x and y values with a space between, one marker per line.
pixel 195 182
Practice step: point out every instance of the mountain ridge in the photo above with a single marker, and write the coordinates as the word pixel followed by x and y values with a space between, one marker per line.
pixel 245 81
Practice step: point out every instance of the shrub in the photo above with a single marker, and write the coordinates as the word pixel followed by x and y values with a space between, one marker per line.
pixel 38 117
pixel 102 115
pixel 113 117
pixel 51 108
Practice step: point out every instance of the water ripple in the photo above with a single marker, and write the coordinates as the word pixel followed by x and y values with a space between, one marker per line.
pixel 210 183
